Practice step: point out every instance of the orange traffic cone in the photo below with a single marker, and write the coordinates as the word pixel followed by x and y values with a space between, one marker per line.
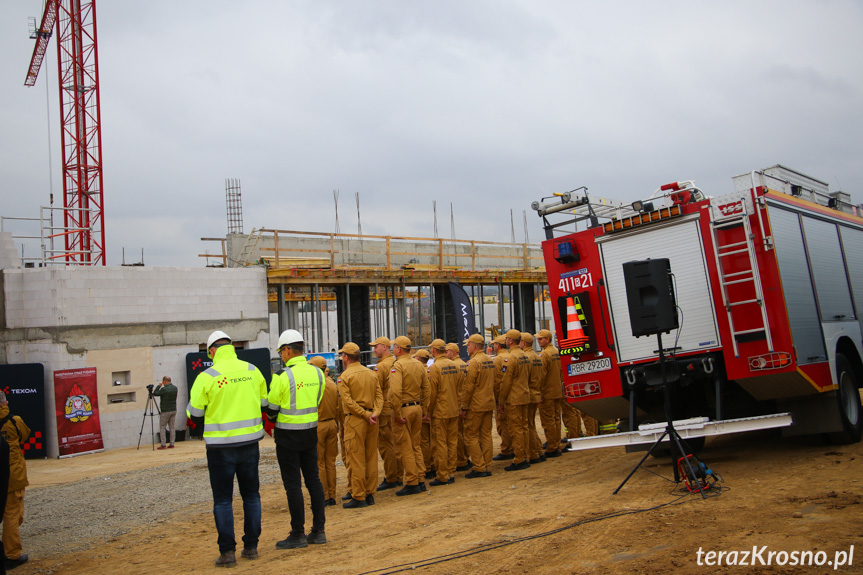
pixel 574 331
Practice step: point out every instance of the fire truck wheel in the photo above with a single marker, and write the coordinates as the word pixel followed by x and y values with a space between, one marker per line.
pixel 848 403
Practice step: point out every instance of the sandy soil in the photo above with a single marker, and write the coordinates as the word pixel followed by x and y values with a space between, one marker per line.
pixel 557 517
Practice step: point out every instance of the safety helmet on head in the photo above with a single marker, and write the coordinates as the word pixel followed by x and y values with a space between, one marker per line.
pixel 288 337
pixel 216 336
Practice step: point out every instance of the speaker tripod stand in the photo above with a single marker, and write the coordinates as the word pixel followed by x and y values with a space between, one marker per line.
pixel 151 405
pixel 678 453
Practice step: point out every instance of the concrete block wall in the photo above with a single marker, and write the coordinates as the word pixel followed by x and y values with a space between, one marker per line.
pixel 120 423
pixel 125 319
pixel 9 257
pixel 123 428
pixel 49 297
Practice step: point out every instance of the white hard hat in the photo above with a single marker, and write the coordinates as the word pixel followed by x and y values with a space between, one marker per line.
pixel 216 336
pixel 289 336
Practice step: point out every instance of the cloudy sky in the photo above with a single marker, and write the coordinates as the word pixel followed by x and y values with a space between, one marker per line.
pixel 485 105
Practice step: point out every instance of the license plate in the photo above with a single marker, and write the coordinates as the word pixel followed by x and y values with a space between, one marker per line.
pixel 589 366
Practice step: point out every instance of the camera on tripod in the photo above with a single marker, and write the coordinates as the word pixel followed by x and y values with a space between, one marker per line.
pixel 151 410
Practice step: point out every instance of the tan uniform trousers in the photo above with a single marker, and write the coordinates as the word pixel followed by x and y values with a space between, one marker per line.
pixel 361 448
pixel 12 520
pixel 477 437
pixel 427 445
pixel 549 415
pixel 445 435
pixel 328 448
pixel 393 468
pixel 516 419
pixel 503 432
pixel 461 451
pixel 535 444
pixel 344 451
pixel 407 437
pixel 577 424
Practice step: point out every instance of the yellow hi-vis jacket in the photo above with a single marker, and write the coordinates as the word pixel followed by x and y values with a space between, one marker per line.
pixel 229 396
pixel 296 394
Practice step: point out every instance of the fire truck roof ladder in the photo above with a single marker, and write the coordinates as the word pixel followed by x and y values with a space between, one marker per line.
pixel 744 274
pixel 581 207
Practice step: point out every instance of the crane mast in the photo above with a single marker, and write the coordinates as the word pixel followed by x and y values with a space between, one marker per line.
pixel 83 230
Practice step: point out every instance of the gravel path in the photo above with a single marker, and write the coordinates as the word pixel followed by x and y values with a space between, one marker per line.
pixel 63 518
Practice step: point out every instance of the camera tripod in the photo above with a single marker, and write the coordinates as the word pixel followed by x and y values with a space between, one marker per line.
pixel 678 453
pixel 151 405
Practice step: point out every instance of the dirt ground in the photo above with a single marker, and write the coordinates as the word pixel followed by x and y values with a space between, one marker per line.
pixel 782 495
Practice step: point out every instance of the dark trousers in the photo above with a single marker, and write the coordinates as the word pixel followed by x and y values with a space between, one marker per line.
pixel 224 463
pixel 291 463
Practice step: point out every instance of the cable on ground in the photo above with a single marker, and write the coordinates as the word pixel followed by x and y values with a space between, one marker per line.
pixel 491 546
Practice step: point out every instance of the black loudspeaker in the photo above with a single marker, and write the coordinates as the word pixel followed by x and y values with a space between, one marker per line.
pixel 650 295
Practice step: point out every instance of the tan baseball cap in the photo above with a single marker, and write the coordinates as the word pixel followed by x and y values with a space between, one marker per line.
pixel 438 344
pixel 384 340
pixel 403 342
pixel 452 347
pixel 422 353
pixel 526 337
pixel 475 338
pixel 513 334
pixel 544 333
pixel 500 340
pixel 318 362
pixel 350 348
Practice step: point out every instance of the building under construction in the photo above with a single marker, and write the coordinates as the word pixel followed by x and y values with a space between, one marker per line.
pixel 336 287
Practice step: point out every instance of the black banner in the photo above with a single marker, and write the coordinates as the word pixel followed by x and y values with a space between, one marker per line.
pixel 463 312
pixel 24 386
pixel 199 362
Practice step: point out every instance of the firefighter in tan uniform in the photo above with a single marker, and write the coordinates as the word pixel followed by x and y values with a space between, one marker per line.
pixel 362 402
pixel 409 393
pixel 537 377
pixel 443 409
pixel 476 401
pixel 515 396
pixel 426 443
pixel 501 352
pixel 577 423
pixel 329 417
pixel 552 393
pixel 462 461
pixel 393 469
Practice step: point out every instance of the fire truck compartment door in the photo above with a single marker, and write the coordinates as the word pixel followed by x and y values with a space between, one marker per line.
pixel 681 243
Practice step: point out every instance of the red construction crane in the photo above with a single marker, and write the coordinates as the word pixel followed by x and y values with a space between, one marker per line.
pixel 80 132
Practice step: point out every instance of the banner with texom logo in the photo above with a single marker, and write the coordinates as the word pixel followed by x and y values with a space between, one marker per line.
pixel 24 386
pixel 76 400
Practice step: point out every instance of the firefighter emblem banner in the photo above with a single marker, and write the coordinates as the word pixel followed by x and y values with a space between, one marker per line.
pixel 77 409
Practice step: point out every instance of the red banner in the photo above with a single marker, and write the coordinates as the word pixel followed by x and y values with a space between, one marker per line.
pixel 76 400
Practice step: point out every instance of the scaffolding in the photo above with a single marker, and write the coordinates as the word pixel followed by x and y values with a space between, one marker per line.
pixel 50 254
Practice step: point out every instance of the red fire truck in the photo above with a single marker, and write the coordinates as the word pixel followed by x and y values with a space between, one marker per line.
pixel 767 283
